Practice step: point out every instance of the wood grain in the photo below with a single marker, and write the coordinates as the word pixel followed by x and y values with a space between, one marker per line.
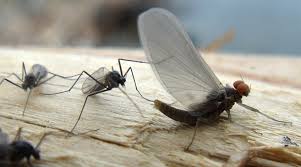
pixel 131 132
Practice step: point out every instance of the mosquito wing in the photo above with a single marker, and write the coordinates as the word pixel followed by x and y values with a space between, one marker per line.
pixel 39 71
pixel 3 138
pixel 90 85
pixel 174 59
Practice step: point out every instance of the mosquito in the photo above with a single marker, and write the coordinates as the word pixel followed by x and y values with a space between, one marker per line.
pixel 100 81
pixel 185 74
pixel 14 152
pixel 36 77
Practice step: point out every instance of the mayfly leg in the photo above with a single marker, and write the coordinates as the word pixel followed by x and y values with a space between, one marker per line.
pixel 81 112
pixel 133 76
pixel 79 76
pixel 197 124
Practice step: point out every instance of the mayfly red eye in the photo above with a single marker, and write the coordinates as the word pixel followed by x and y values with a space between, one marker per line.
pixel 243 89
pixel 184 73
pixel 236 83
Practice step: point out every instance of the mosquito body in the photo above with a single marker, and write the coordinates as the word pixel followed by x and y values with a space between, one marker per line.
pixel 102 80
pixel 185 74
pixel 12 153
pixel 36 77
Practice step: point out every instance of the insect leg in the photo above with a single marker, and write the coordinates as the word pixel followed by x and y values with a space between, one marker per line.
pixel 11 82
pixel 199 120
pixel 15 75
pixel 74 84
pixel 257 111
pixel 24 73
pixel 229 115
pixel 130 69
pixel 91 94
pixel 41 140
pixel 27 99
pixel 18 134
pixel 119 63
pixel 194 133
pixel 64 77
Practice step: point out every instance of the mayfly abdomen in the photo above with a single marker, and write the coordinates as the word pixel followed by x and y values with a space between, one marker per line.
pixel 175 114
pixel 39 71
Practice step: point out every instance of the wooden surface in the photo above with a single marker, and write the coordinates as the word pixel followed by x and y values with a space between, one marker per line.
pixel 131 132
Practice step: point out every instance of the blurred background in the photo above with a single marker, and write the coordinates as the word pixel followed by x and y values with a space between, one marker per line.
pixel 250 26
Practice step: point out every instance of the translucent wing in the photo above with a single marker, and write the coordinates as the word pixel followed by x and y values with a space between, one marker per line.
pixel 174 59
pixel 90 85
pixel 3 138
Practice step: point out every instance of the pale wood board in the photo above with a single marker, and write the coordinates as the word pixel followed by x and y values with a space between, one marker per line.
pixel 133 133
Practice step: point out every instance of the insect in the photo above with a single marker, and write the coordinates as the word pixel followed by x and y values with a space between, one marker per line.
pixel 12 153
pixel 288 141
pixel 102 80
pixel 185 74
pixel 36 77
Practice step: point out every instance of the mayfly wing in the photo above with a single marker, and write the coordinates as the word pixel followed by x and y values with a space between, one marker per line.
pixel 174 59
pixel 91 85
pixel 3 138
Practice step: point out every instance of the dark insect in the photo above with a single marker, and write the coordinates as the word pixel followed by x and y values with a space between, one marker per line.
pixel 288 142
pixel 185 74
pixel 36 77
pixel 12 153
pixel 100 81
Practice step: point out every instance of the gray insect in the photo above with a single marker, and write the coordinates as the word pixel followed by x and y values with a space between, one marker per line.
pixel 12 153
pixel 36 77
pixel 184 73
pixel 100 81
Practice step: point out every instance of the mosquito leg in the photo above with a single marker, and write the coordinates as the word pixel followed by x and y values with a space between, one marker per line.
pixel 14 74
pixel 84 72
pixel 11 82
pixel 119 63
pixel 27 99
pixel 18 134
pixel 40 83
pixel 64 77
pixel 81 112
pixel 130 69
pixel 24 73
pixel 41 140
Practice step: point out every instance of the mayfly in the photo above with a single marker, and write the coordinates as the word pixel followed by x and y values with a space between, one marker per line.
pixel 36 77
pixel 184 73
pixel 100 81
pixel 12 153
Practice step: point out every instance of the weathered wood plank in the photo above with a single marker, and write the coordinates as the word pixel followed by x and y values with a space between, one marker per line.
pixel 131 132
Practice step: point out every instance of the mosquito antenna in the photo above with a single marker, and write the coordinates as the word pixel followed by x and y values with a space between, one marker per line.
pixel 28 95
pixel 257 111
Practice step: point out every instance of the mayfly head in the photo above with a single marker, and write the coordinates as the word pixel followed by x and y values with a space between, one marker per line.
pixel 242 88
